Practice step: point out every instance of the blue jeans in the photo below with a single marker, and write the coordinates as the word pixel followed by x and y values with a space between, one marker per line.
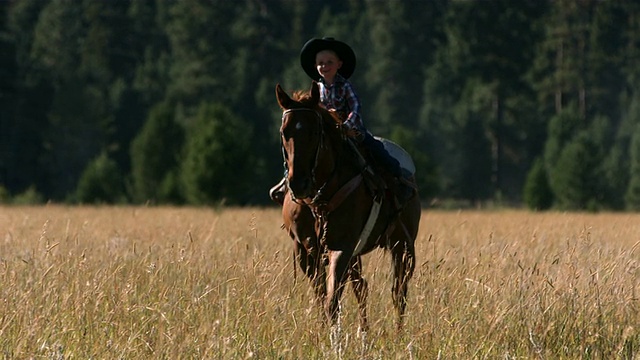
pixel 379 153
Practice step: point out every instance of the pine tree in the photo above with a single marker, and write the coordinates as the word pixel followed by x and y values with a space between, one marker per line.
pixel 202 57
pixel 632 195
pixel 155 154
pixel 79 50
pixel 218 158
pixel 25 126
pixel 8 74
pixel 101 182
pixel 478 69
pixel 562 129
pixel 537 192
pixel 573 178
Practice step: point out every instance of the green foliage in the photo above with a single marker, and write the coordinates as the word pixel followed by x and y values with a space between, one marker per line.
pixel 5 197
pixel 486 87
pixel 437 126
pixel 155 154
pixel 170 189
pixel 218 158
pixel 23 122
pixel 477 78
pixel 628 153
pixel 427 176
pixel 466 169
pixel 573 179
pixel 81 54
pixel 616 174
pixel 202 53
pixel 475 160
pixel 30 196
pixel 391 82
pixel 576 154
pixel 537 192
pixel 562 128
pixel 632 196
pixel 100 183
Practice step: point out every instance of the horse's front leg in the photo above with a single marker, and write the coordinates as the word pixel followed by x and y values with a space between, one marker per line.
pixel 320 279
pixel 311 263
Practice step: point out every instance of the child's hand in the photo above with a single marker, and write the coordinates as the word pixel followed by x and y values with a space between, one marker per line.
pixel 353 133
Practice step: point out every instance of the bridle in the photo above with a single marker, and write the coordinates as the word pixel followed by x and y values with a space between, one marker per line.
pixel 321 145
pixel 322 207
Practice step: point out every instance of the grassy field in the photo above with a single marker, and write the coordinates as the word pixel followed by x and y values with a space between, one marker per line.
pixel 184 283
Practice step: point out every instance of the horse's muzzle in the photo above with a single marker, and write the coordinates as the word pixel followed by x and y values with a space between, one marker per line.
pixel 301 188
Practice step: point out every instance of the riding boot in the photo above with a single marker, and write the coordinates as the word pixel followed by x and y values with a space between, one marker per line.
pixel 277 192
pixel 404 190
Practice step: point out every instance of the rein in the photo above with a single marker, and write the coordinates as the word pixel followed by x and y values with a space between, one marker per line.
pixel 320 146
pixel 322 208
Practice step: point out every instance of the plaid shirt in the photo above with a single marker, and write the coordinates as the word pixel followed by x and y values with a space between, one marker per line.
pixel 341 97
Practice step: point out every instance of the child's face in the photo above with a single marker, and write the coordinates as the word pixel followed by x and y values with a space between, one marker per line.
pixel 327 64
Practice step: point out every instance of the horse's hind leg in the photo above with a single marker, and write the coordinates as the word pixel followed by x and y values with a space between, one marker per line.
pixel 339 262
pixel 403 254
pixel 360 289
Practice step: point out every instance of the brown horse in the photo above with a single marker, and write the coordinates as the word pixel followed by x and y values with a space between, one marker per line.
pixel 335 212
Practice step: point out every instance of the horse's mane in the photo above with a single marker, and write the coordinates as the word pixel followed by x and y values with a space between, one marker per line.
pixel 304 97
pixel 346 151
pixel 332 122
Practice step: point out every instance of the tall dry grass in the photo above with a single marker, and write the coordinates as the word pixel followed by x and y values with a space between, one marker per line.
pixel 183 283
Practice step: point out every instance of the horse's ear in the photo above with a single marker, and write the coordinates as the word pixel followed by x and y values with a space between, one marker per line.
pixel 283 99
pixel 315 92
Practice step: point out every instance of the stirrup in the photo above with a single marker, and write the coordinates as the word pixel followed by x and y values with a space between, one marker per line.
pixel 278 192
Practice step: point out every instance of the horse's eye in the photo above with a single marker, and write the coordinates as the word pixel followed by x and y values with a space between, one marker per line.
pixel 290 131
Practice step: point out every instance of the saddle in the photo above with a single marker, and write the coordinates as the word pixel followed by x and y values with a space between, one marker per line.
pixel 379 180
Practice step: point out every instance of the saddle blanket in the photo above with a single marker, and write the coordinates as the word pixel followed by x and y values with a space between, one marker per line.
pixel 395 150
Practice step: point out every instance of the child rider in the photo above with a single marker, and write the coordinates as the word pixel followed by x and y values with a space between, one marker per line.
pixel 331 63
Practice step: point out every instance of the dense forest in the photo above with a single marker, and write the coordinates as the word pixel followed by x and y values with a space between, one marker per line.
pixel 172 102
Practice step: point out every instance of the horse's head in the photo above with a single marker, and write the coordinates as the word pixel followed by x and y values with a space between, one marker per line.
pixel 305 131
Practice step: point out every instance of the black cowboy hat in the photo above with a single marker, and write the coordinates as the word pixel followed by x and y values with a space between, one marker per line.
pixel 313 46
